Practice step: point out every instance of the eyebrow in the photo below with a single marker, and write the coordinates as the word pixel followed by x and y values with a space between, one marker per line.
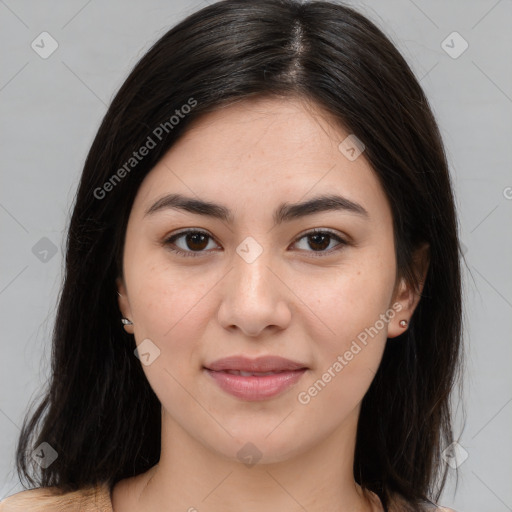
pixel 284 213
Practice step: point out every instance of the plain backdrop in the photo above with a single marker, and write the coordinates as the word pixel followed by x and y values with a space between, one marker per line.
pixel 51 108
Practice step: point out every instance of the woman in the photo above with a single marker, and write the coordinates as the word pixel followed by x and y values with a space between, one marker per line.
pixel 262 304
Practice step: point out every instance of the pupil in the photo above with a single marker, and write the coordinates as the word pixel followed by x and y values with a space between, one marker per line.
pixel 323 238
pixel 195 238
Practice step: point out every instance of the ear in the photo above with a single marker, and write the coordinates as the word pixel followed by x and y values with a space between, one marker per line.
pixel 405 295
pixel 124 304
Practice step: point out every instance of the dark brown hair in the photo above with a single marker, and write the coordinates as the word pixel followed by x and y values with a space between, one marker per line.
pixel 99 412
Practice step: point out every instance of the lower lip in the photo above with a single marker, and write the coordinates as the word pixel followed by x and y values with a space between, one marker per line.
pixel 255 388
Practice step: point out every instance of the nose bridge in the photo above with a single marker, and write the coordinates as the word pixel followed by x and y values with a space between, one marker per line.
pixel 252 298
pixel 251 266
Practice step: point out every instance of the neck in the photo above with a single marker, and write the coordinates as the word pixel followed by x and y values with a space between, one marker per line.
pixel 191 478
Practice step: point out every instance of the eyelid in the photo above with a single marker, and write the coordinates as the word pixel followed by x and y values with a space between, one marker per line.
pixel 342 241
pixel 169 240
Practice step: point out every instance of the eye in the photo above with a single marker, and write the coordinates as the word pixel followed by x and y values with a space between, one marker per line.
pixel 195 242
pixel 320 239
pixel 193 239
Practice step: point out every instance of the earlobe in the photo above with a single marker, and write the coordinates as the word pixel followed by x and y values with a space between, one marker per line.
pixel 407 296
pixel 124 306
pixel 403 298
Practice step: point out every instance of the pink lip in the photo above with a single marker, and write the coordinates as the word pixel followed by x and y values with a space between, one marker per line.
pixel 254 387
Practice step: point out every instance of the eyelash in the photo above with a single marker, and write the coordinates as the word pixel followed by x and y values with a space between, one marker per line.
pixel 316 254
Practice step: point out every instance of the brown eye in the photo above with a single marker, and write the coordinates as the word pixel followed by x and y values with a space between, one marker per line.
pixel 193 242
pixel 196 241
pixel 319 240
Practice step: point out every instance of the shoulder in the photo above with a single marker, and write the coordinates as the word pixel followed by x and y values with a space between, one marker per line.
pixel 431 507
pixel 53 499
pixel 30 500
pixel 400 504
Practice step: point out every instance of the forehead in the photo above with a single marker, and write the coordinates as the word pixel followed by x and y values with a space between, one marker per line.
pixel 260 151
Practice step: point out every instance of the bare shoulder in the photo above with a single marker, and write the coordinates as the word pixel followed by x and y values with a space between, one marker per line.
pixel 53 499
pixel 400 504
pixel 439 508
pixel 30 500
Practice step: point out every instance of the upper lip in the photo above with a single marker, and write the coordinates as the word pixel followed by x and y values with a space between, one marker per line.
pixel 259 364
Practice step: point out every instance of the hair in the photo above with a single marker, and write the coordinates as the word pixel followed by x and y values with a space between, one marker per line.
pixel 99 412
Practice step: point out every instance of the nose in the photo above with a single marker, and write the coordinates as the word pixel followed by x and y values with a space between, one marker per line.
pixel 254 298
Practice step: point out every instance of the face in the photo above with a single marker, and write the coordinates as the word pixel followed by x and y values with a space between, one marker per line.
pixel 315 286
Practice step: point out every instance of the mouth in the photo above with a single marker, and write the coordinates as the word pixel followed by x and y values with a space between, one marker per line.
pixel 251 374
pixel 255 379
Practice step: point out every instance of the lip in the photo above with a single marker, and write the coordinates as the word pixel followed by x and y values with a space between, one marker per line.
pixel 260 364
pixel 285 373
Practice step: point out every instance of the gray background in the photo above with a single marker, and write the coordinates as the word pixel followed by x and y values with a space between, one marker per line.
pixel 51 109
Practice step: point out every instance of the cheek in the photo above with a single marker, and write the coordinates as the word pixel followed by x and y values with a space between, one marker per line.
pixel 169 309
pixel 348 354
pixel 168 303
pixel 169 306
pixel 349 299
pixel 352 334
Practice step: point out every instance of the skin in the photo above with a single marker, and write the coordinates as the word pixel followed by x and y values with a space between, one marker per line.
pixel 251 157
